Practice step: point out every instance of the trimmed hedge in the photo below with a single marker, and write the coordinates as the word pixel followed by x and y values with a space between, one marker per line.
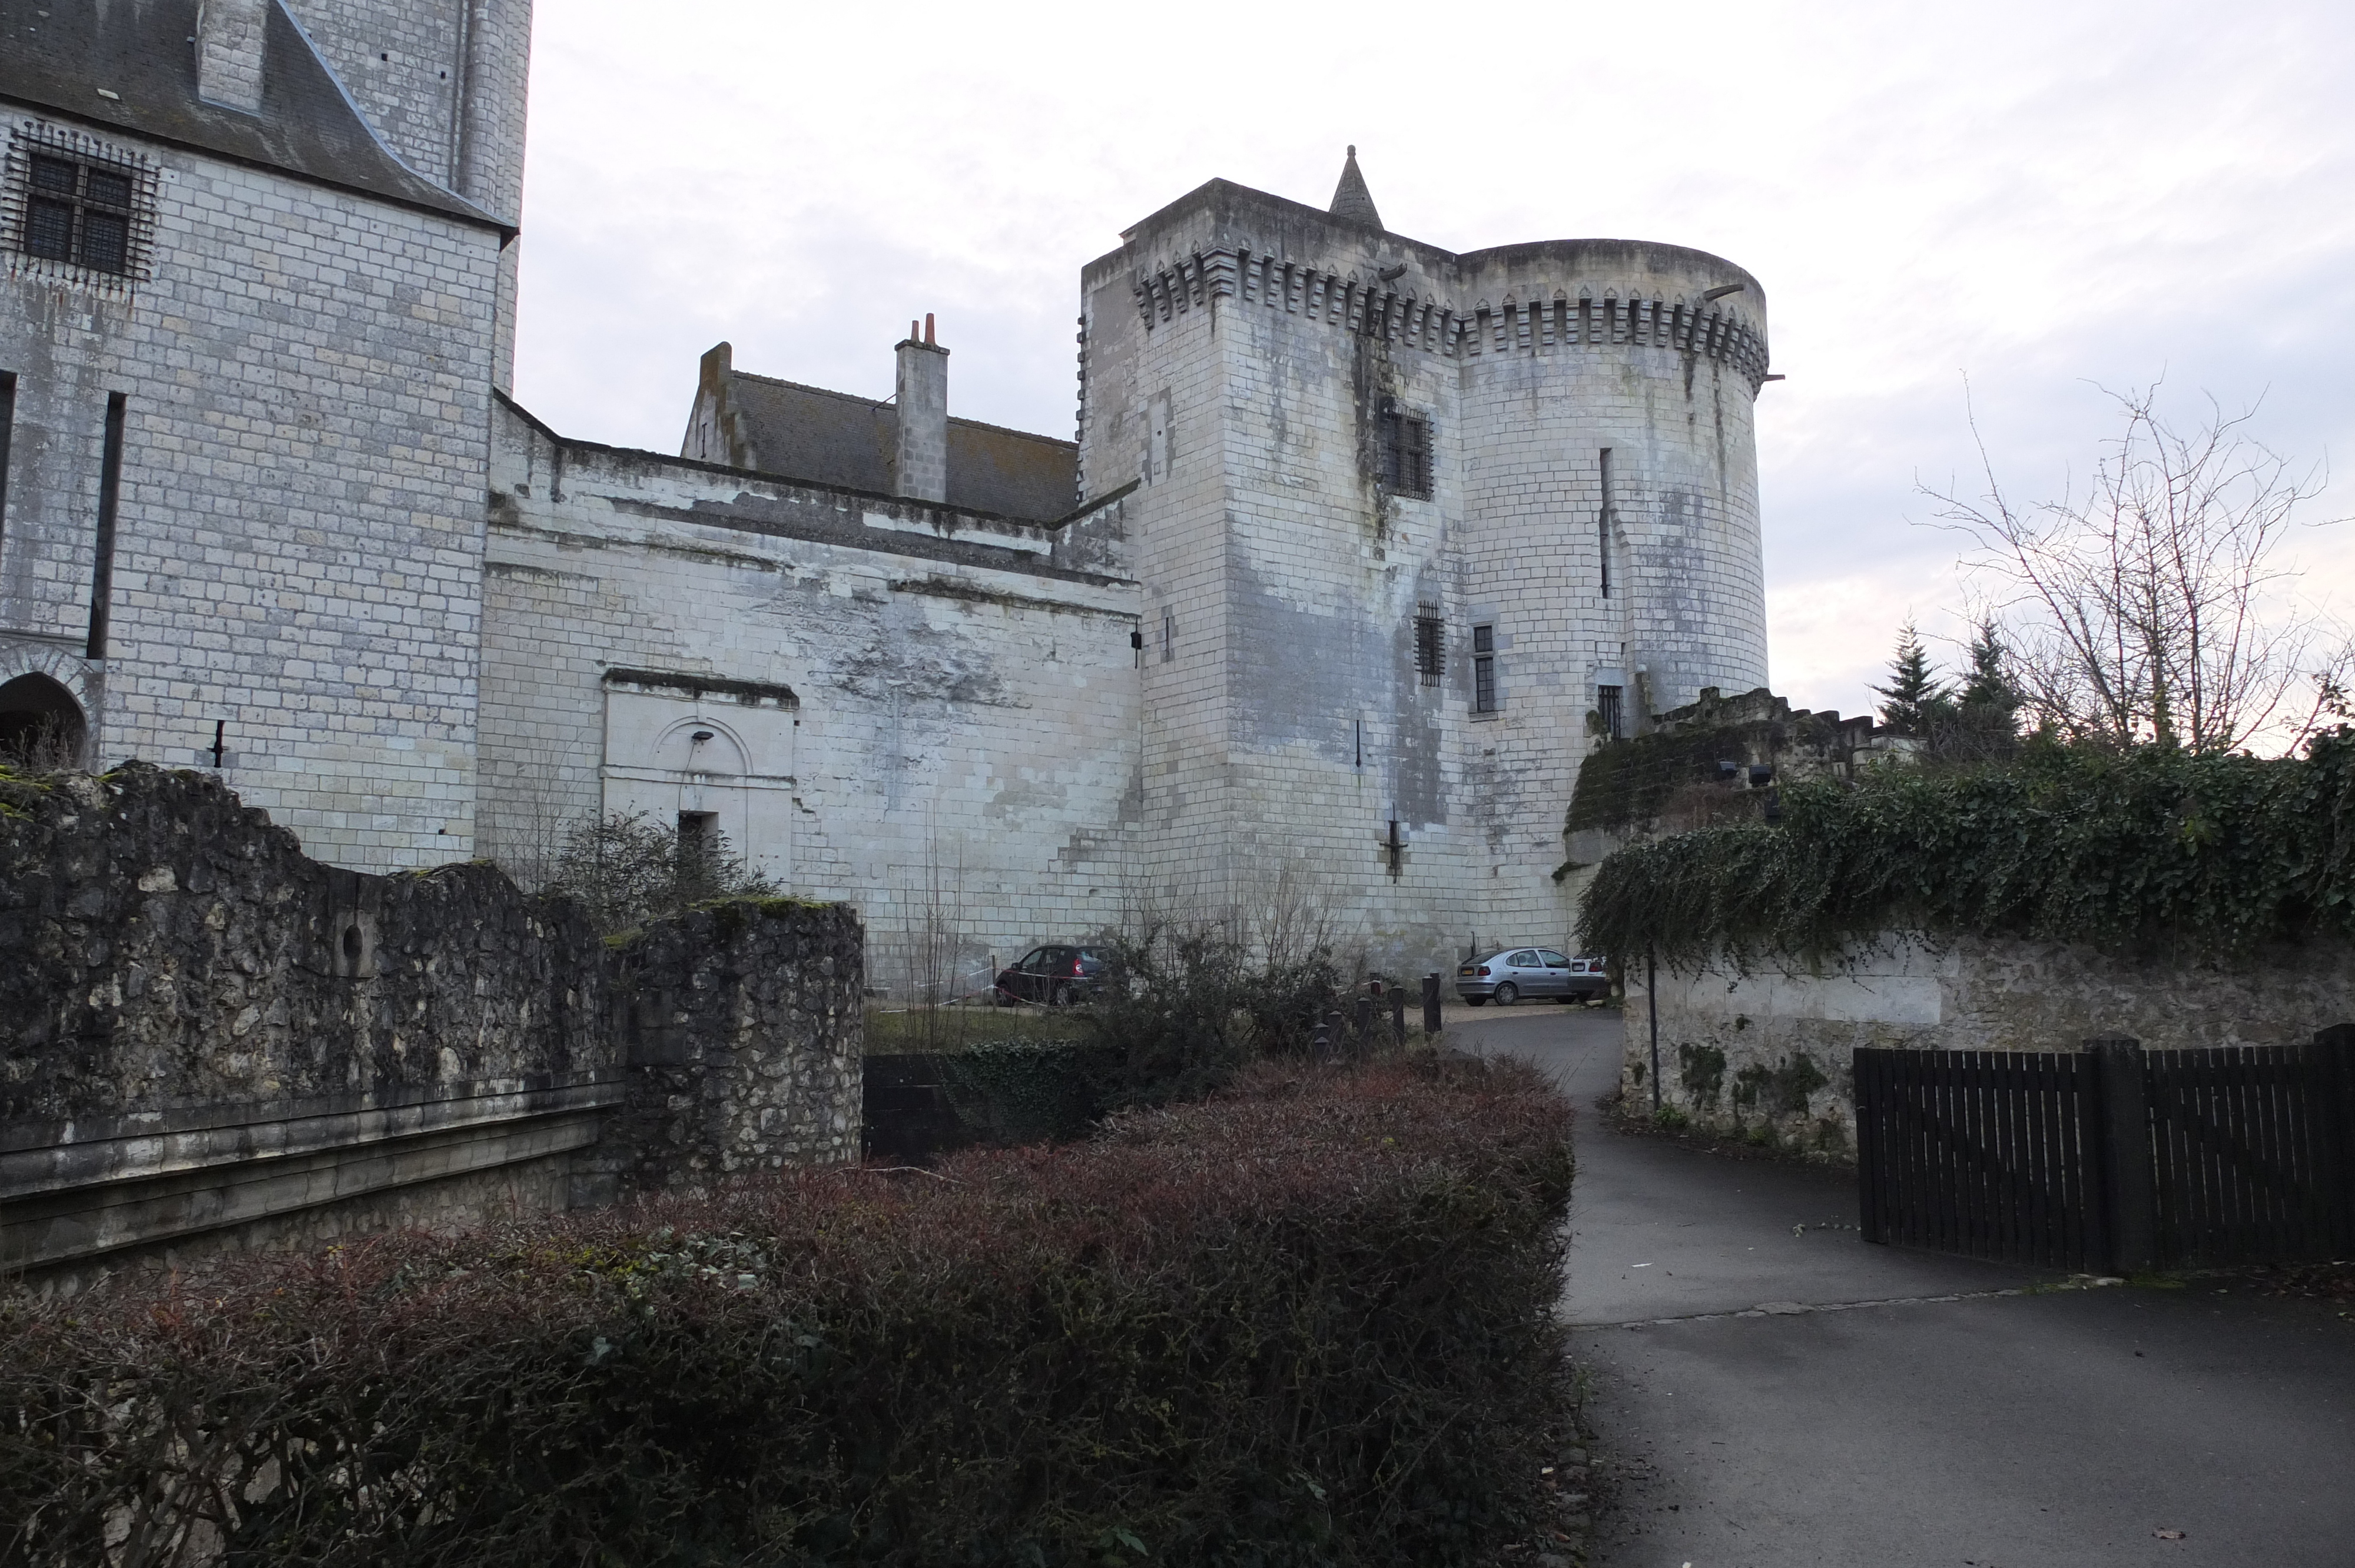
pixel 1310 1321
pixel 2149 850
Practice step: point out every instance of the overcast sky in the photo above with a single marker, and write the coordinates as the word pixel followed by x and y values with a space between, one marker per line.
pixel 2046 198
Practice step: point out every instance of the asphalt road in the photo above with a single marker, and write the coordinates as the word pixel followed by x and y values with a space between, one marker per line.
pixel 1769 1396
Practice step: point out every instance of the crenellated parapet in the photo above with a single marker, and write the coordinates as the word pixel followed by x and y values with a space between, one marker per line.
pixel 1696 326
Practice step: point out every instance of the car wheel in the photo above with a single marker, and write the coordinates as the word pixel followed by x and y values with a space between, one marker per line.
pixel 1508 995
pixel 1475 1001
pixel 1061 996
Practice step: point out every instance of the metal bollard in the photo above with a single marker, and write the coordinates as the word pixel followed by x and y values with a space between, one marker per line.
pixel 1365 1025
pixel 1431 1004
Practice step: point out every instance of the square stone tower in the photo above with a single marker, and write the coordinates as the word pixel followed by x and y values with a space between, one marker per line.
pixel 1412 528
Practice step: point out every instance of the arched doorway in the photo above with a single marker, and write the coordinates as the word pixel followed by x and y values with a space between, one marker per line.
pixel 41 727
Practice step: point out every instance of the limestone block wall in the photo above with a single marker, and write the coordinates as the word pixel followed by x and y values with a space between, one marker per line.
pixel 743 1028
pixel 915 710
pixel 297 554
pixel 1772 1047
pixel 1240 353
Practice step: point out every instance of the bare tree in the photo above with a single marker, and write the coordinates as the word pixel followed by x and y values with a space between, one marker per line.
pixel 2151 608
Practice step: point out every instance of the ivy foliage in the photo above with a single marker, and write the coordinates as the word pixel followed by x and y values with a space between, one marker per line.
pixel 2149 850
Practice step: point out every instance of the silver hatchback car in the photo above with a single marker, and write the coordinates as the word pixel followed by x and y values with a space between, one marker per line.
pixel 1515 972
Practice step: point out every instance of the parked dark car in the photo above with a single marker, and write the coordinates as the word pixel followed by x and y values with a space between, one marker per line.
pixel 1051 977
pixel 1515 972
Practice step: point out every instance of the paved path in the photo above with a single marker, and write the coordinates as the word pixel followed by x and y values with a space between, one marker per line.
pixel 1884 1427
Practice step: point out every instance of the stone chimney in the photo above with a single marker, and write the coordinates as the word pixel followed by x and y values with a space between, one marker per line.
pixel 229 52
pixel 923 467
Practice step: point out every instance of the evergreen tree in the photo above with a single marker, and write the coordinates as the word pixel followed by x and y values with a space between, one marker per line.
pixel 1988 709
pixel 1917 697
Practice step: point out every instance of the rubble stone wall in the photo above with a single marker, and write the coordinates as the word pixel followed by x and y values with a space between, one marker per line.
pixel 208 1039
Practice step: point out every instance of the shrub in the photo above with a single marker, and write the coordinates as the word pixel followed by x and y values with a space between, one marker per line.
pixel 628 870
pixel 2149 848
pixel 1178 1012
pixel 1308 1322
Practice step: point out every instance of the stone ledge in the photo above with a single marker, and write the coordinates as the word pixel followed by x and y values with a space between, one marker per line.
pixel 163 1189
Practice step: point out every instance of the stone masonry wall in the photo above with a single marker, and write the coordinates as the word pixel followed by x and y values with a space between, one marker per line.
pixel 744 1027
pixel 298 550
pixel 208 1039
pixel 922 711
pixel 1772 1048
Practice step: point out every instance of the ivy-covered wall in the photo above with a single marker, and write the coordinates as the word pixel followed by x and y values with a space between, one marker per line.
pixel 2184 900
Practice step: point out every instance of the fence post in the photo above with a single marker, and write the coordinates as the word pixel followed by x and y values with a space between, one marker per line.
pixel 2129 1186
pixel 1431 1004
pixel 2333 1055
pixel 1364 1024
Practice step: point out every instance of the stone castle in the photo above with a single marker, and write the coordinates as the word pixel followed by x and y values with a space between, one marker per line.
pixel 1360 547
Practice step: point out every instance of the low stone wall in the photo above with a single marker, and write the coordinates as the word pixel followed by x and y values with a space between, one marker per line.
pixel 208 1039
pixel 742 1027
pixel 1767 1052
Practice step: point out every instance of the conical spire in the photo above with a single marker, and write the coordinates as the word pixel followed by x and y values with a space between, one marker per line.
pixel 1352 202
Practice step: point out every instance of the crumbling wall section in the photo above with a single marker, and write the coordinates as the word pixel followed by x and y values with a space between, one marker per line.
pixel 210 1041
pixel 743 1026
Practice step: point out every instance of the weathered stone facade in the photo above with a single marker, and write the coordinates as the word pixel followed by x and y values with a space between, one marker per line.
pixel 1361 543
pixel 1771 1047
pixel 214 1040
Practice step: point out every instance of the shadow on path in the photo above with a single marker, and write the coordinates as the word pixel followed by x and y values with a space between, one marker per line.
pixel 1776 1393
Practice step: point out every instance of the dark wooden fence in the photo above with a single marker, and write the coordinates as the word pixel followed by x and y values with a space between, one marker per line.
pixel 2111 1157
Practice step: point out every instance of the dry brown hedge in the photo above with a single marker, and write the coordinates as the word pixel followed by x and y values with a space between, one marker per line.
pixel 1310 1321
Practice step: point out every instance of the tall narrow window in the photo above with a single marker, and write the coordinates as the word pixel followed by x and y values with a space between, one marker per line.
pixel 1168 636
pixel 1484 669
pixel 1602 523
pixel 1607 708
pixel 8 424
pixel 1406 451
pixel 1430 644
pixel 110 493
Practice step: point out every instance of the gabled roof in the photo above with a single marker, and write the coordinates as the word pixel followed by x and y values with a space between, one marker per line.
pixel 832 438
pixel 59 54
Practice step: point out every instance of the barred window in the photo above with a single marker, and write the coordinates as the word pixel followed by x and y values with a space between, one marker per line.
pixel 1608 709
pixel 1406 452
pixel 78 210
pixel 1484 669
pixel 1430 644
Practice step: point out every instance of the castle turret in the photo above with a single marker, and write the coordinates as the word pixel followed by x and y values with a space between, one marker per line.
pixel 1413 528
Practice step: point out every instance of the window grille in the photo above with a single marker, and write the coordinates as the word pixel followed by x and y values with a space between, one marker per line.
pixel 1430 644
pixel 1484 669
pixel 1607 708
pixel 1406 452
pixel 73 201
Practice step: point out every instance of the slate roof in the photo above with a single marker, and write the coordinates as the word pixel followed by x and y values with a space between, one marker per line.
pixel 57 55
pixel 832 437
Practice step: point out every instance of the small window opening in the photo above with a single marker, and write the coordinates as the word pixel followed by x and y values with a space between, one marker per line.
pixel 1406 452
pixel 1484 669
pixel 1430 644
pixel 77 212
pixel 1608 708
pixel 1603 524
pixel 1168 636
pixel 698 835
